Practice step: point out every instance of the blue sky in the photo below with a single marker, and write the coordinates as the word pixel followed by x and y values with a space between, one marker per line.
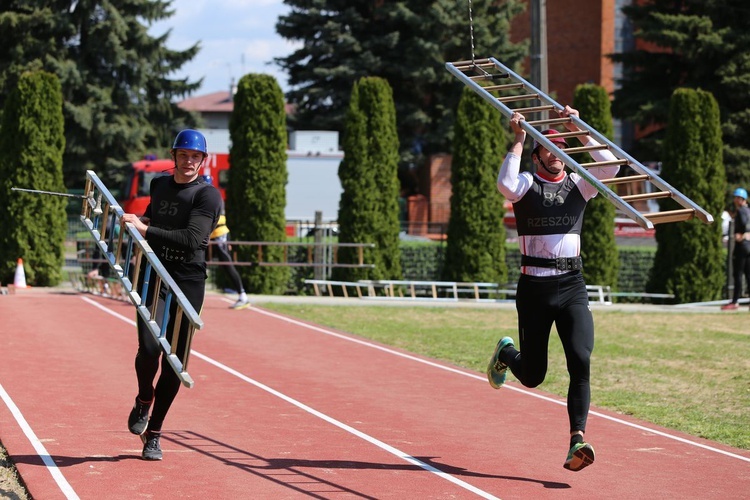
pixel 236 36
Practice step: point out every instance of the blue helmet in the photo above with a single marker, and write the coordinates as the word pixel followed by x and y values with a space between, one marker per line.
pixel 208 179
pixel 741 192
pixel 190 139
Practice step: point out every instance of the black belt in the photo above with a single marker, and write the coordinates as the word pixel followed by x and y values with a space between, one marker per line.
pixel 561 263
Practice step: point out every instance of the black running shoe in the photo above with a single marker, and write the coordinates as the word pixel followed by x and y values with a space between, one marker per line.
pixel 151 448
pixel 138 418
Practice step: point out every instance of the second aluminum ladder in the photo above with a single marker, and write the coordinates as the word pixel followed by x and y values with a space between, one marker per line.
pixel 517 90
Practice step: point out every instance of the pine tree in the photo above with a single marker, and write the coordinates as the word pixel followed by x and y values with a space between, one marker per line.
pixel 475 250
pixel 368 210
pixel 256 193
pixel 405 42
pixel 688 261
pixel 598 245
pixel 692 44
pixel 119 99
pixel 31 148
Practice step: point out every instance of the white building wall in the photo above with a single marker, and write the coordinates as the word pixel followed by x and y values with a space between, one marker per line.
pixel 313 179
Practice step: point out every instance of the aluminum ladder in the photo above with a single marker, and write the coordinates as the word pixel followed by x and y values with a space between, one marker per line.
pixel 99 213
pixel 511 88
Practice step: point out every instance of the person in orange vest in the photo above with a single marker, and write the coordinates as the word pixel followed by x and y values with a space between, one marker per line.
pixel 219 238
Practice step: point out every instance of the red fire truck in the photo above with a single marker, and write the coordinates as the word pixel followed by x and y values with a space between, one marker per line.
pixel 135 193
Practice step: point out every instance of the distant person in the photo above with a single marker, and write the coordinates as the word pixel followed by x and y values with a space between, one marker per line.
pixel 100 274
pixel 219 238
pixel 181 215
pixel 549 206
pixel 726 218
pixel 741 252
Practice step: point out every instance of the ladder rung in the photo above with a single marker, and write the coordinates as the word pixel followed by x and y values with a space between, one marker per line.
pixel 475 62
pixel 489 76
pixel 608 163
pixel 584 149
pixel 534 109
pixel 670 216
pixel 625 180
pixel 505 86
pixel 511 98
pixel 647 196
pixel 549 121
pixel 568 134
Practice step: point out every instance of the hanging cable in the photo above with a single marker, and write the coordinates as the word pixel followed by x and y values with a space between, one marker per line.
pixel 471 36
pixel 471 33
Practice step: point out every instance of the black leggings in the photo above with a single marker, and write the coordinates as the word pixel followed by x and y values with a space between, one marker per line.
pixel 740 268
pixel 149 352
pixel 562 300
pixel 221 249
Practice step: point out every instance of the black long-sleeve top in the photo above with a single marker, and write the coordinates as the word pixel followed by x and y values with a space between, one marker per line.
pixel 182 217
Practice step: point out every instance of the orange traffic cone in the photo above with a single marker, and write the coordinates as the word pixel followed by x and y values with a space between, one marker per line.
pixel 19 280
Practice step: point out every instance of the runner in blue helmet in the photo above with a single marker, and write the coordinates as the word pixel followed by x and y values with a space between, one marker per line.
pixel 177 223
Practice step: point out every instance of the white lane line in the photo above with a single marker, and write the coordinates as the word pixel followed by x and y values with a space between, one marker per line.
pixel 388 448
pixel 41 452
pixel 484 379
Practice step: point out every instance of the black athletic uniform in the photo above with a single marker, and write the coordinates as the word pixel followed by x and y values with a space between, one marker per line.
pixel 551 288
pixel 741 253
pixel 181 218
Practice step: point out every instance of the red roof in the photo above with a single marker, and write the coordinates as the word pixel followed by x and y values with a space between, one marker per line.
pixel 217 102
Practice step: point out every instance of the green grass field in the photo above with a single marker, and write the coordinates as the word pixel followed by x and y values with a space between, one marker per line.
pixel 682 370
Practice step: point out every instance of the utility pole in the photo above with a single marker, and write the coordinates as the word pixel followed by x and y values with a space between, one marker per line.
pixel 539 45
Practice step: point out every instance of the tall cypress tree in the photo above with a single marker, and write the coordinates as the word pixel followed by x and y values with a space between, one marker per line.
pixel 405 42
pixel 256 193
pixel 475 250
pixel 368 210
pixel 31 156
pixel 598 245
pixel 119 99
pixel 688 261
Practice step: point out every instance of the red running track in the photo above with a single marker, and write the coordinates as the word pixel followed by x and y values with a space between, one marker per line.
pixel 282 409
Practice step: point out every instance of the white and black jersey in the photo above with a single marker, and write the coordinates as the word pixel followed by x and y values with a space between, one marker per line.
pixel 549 214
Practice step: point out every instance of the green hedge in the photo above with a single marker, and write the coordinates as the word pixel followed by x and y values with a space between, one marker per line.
pixel 425 261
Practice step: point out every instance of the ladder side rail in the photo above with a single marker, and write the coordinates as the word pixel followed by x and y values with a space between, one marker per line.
pixel 527 85
pixel 505 110
pixel 92 219
pixel 642 169
pixel 570 162
pixel 157 324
